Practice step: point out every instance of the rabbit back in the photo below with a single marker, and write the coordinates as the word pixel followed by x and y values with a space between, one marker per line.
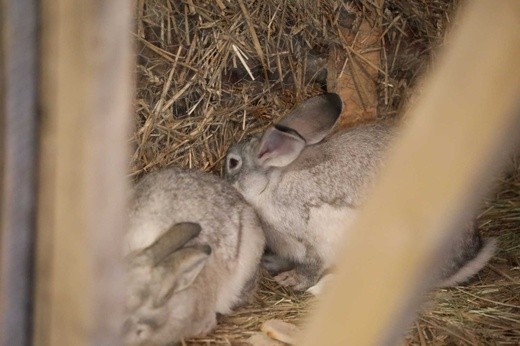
pixel 307 204
pixel 228 225
pixel 174 195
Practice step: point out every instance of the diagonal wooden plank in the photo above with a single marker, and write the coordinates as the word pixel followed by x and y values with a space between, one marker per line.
pixel 456 138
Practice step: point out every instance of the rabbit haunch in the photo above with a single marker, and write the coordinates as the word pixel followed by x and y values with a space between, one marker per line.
pixel 307 190
pixel 193 250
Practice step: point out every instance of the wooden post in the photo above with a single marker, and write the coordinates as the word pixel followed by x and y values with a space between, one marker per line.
pixel 456 138
pixel 86 89
pixel 18 84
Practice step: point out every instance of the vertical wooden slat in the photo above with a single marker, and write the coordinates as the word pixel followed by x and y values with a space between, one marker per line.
pixel 18 56
pixel 86 97
pixel 458 135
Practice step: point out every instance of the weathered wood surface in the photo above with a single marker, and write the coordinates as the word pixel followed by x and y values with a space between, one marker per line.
pixel 86 96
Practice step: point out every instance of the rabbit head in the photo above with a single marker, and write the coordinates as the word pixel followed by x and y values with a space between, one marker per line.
pixel 159 278
pixel 249 163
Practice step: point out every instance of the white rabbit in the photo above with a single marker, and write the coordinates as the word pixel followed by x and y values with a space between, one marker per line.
pixel 307 190
pixel 193 250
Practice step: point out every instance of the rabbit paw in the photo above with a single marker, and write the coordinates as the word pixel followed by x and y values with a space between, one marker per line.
pixel 294 279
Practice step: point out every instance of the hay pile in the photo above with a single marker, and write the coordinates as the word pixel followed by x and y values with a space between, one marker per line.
pixel 486 311
pixel 210 73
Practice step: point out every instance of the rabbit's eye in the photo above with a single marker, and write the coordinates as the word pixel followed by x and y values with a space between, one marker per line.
pixel 234 163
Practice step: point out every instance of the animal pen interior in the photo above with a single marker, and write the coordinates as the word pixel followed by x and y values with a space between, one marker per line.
pixel 210 73
pixel 202 86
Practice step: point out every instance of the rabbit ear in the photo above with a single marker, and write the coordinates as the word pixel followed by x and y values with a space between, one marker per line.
pixel 173 239
pixel 178 271
pixel 278 148
pixel 314 118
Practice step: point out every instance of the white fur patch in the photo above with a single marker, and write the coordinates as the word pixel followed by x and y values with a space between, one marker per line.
pixel 474 266
pixel 330 227
pixel 322 285
pixel 141 234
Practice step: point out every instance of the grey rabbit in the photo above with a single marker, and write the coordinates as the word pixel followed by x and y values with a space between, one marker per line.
pixel 192 250
pixel 307 189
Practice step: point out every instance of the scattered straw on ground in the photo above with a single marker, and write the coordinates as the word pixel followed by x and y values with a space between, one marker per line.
pixel 486 311
pixel 212 72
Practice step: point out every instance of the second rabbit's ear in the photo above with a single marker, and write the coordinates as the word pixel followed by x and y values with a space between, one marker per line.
pixel 279 147
pixel 173 239
pixel 178 271
pixel 314 118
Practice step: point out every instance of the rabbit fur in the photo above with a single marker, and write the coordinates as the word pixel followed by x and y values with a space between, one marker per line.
pixel 193 250
pixel 307 189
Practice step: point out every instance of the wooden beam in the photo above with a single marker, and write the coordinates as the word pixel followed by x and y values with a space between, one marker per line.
pixel 86 96
pixel 18 118
pixel 455 140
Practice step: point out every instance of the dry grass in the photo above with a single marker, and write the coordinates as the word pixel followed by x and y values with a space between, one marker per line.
pixel 486 311
pixel 195 92
pixel 271 301
pixel 212 72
